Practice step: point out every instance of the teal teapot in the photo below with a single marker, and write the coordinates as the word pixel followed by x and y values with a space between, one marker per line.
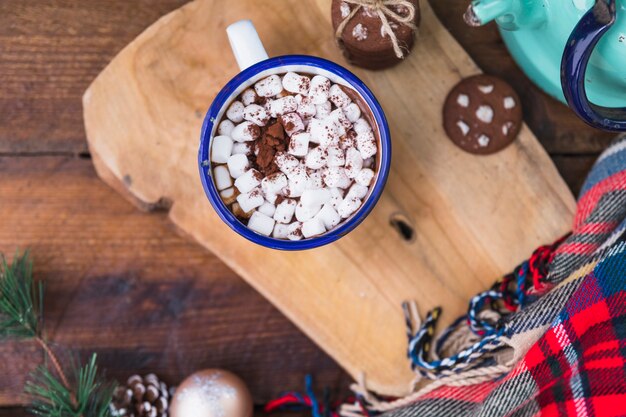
pixel 575 50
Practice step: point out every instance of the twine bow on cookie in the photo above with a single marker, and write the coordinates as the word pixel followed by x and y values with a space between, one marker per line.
pixel 383 10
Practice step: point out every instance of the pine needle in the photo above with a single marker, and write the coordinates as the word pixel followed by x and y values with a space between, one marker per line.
pixel 21 299
pixel 89 396
pixel 86 394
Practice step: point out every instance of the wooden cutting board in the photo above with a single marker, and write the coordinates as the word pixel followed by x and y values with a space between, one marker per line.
pixel 474 218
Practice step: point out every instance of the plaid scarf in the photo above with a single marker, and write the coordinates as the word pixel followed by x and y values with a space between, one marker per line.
pixel 548 339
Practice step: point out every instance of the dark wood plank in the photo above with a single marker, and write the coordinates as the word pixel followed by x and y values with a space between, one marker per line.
pixel 554 124
pixel 124 284
pixel 574 169
pixel 49 53
pixel 14 412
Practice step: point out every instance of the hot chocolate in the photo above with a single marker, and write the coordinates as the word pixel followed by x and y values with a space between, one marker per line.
pixel 295 155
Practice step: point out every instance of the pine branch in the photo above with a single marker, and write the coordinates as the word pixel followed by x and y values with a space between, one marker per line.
pixel 89 396
pixel 54 395
pixel 21 299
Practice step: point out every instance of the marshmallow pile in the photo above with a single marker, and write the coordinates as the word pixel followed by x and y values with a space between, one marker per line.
pixel 319 177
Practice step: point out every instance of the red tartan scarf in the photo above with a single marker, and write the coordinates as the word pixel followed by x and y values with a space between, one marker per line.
pixel 562 349
pixel 549 339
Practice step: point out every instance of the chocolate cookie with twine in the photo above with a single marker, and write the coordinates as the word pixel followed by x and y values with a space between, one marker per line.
pixel 375 34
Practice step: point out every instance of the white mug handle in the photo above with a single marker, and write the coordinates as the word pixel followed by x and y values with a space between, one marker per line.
pixel 246 44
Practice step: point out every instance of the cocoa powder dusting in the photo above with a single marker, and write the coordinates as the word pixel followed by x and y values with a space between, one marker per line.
pixel 272 140
pixel 279 200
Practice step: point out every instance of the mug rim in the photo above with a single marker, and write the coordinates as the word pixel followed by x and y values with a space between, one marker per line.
pixel 220 101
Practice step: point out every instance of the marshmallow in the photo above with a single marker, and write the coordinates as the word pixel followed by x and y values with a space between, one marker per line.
pixel 285 162
pixel 293 190
pixel 338 96
pixel 237 165
pixel 299 144
pixel 292 123
pixel 336 177
pixel 326 132
pixel 335 156
pixel 269 86
pixel 313 124
pixel 222 177
pixel 267 208
pixel 261 223
pixel 357 191
pixel 323 110
pixel 336 197
pixel 348 141
pixel 250 200
pixel 296 83
pixel 229 195
pixel 221 148
pixel 285 210
pixel 364 177
pixel 354 162
pixel 320 87
pixel 248 97
pixel 295 231
pixel 315 197
pixel 244 148
pixel 366 144
pixel 256 114
pixel 312 228
pixel 316 158
pixel 281 231
pixel 316 180
pixel 249 180
pixel 352 112
pixel 283 105
pixel 348 206
pixel 298 174
pixel 245 132
pixel 225 127
pixel 328 216
pixel 369 162
pixel 298 180
pixel 362 126
pixel 238 211
pixel 235 112
pixel 306 108
pixel 305 212
pixel 270 198
pixel 268 107
pixel 274 183
pixel 339 116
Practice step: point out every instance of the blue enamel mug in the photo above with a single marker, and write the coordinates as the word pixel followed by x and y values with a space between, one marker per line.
pixel 255 65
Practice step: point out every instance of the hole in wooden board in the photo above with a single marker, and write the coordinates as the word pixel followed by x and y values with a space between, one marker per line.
pixel 403 226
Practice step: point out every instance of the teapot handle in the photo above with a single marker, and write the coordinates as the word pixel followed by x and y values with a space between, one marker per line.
pixel 576 56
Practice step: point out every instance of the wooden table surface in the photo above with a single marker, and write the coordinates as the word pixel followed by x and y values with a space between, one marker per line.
pixel 123 283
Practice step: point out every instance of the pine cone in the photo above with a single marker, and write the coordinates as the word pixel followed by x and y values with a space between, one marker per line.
pixel 141 397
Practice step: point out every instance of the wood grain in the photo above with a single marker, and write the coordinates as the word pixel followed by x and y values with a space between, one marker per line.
pixel 122 283
pixel 143 114
pixel 49 53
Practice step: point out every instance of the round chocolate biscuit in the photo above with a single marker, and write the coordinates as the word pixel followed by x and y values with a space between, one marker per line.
pixel 482 114
pixel 363 41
